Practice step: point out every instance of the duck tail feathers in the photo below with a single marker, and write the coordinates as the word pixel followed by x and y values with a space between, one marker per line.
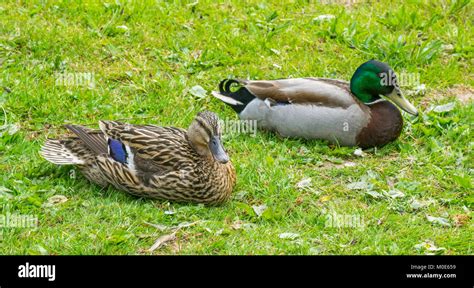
pixel 57 152
pixel 238 99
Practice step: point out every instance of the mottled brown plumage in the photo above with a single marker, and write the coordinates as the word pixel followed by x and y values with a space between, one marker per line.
pixel 159 162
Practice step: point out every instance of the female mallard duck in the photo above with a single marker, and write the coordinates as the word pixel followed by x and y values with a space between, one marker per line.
pixel 151 161
pixel 316 108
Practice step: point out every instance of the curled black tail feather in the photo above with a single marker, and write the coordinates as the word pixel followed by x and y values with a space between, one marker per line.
pixel 242 94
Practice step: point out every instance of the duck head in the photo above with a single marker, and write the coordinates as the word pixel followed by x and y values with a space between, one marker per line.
pixel 374 79
pixel 204 133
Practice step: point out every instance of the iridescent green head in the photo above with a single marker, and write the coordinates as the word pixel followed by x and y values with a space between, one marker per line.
pixel 374 79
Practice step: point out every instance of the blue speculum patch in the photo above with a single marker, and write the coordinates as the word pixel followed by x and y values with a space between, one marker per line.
pixel 117 150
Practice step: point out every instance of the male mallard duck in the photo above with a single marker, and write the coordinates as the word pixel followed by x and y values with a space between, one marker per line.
pixel 317 108
pixel 151 161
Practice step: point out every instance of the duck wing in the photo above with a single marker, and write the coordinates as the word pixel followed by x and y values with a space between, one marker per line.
pixel 314 91
pixel 320 91
pixel 93 139
pixel 147 148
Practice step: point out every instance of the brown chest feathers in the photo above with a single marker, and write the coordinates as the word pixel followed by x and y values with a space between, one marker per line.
pixel 385 125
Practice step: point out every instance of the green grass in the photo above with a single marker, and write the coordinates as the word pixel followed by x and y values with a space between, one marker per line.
pixel 146 56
